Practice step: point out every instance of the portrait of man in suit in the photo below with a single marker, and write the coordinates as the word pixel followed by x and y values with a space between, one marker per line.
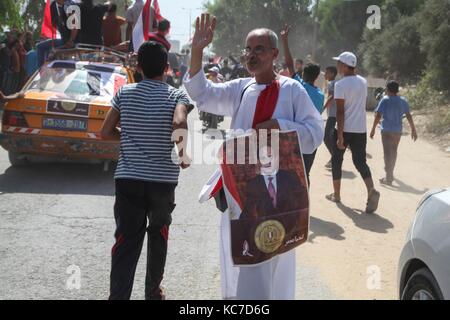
pixel 273 190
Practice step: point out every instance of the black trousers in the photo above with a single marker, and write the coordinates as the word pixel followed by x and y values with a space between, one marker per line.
pixel 137 202
pixel 308 160
pixel 357 142
pixel 329 134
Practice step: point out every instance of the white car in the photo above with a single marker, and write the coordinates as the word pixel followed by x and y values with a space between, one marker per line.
pixel 424 267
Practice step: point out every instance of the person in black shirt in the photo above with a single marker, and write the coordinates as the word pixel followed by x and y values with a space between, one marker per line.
pixel 92 21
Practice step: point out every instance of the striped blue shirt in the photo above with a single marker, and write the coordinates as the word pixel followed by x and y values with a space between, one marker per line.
pixel 146 116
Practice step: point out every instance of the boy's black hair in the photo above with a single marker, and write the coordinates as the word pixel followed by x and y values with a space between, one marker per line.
pixel 393 86
pixel 164 25
pixel 333 70
pixel 311 72
pixel 152 58
pixel 299 61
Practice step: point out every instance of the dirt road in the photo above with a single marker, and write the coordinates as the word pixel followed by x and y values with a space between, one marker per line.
pixel 349 248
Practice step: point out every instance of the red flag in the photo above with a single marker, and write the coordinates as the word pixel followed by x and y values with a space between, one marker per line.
pixel 158 15
pixel 47 29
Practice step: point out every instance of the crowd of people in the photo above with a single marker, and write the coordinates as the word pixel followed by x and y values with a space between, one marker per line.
pixel 17 59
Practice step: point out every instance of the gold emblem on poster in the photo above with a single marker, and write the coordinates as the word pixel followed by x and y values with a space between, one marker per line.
pixel 269 236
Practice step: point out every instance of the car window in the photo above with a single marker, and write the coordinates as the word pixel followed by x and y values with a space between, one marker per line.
pixel 79 83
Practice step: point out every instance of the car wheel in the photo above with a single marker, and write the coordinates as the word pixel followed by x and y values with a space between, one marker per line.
pixel 422 286
pixel 17 159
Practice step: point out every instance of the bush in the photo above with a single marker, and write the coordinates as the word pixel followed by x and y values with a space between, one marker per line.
pixel 425 96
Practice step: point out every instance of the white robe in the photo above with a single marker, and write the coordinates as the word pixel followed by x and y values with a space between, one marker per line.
pixel 275 279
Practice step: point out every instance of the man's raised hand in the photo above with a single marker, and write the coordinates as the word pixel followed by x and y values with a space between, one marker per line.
pixel 204 31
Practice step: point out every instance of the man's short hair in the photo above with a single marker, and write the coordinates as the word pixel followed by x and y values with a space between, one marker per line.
pixel 311 72
pixel 273 38
pixel 333 70
pixel 112 8
pixel 164 25
pixel 299 61
pixel 152 59
pixel 393 86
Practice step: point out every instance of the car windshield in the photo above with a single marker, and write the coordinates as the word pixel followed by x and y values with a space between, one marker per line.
pixel 81 83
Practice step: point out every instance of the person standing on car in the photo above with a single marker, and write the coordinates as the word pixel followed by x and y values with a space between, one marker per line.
pixel 92 21
pixel 112 23
pixel 161 34
pixel 350 94
pixel 390 113
pixel 132 17
pixel 146 175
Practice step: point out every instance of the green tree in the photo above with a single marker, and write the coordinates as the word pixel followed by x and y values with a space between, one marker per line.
pixel 342 24
pixel 9 14
pixel 237 17
pixel 395 52
pixel 435 31
pixel 33 14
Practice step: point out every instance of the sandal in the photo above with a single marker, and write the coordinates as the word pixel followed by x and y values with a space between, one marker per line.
pixel 332 198
pixel 386 182
pixel 372 202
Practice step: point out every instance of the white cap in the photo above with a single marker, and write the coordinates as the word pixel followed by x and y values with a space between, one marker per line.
pixel 347 58
pixel 214 69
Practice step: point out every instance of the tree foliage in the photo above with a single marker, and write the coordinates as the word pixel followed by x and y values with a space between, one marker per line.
pixel 237 17
pixel 342 24
pixel 9 14
pixel 435 34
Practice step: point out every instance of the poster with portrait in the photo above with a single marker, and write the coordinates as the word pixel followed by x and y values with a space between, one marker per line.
pixel 267 193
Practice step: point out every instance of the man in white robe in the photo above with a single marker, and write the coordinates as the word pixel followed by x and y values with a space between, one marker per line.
pixel 275 279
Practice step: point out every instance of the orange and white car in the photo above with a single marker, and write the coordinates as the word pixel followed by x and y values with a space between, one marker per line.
pixel 62 112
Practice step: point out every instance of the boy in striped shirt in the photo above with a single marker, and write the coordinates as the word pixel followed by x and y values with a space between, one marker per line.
pixel 146 177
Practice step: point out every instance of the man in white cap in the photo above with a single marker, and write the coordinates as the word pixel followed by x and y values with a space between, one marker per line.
pixel 351 95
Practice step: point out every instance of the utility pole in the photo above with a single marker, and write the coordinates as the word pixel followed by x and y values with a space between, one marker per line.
pixel 190 20
pixel 316 27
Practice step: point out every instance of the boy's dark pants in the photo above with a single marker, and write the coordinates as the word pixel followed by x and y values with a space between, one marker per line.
pixel 137 201
pixel 329 134
pixel 390 147
pixel 357 143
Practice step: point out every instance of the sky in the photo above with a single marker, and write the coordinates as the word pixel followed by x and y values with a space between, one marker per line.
pixel 179 17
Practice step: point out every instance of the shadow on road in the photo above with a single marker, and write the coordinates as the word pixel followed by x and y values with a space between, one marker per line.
pixel 58 178
pixel 371 222
pixel 321 228
pixel 403 187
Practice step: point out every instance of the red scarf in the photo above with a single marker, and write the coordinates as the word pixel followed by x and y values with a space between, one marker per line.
pixel 265 107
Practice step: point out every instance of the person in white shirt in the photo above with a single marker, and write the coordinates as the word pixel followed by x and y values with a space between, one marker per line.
pixel 294 110
pixel 132 16
pixel 350 94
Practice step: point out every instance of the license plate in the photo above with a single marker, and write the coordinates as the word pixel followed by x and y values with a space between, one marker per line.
pixel 65 124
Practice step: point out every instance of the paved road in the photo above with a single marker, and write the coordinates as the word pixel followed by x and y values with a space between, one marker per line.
pixel 55 215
